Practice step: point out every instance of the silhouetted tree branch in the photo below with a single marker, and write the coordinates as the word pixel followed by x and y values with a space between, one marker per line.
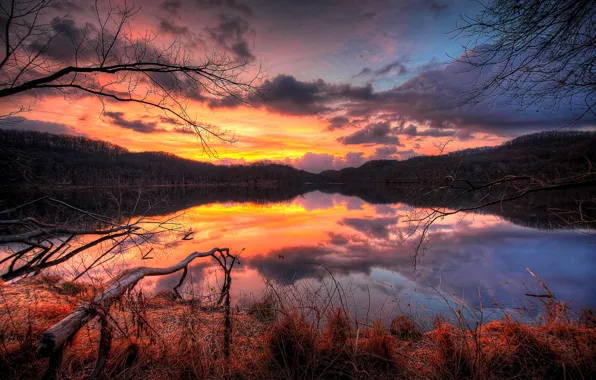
pixel 45 52
pixel 534 54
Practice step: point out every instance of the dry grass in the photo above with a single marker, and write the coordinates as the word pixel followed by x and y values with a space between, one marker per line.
pixel 404 328
pixel 163 337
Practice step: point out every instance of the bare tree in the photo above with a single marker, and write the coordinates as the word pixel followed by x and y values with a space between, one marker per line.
pixel 43 51
pixel 534 54
pixel 531 54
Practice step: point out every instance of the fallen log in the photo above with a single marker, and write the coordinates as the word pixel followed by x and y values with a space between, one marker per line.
pixel 53 339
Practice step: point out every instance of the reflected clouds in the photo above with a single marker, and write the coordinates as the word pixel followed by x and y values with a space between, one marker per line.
pixel 360 244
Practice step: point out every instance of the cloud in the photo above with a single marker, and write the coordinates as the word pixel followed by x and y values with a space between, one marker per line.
pixel 337 122
pixel 231 33
pixel 314 162
pixel 24 124
pixel 140 126
pixel 63 43
pixel 386 152
pixel 228 4
pixel 152 126
pixel 426 105
pixel 351 159
pixel 288 265
pixel 285 94
pixel 169 27
pixel 318 162
pixel 412 130
pixel 171 6
pixel 377 133
pixel 396 67
pixel 437 7
pixel 378 228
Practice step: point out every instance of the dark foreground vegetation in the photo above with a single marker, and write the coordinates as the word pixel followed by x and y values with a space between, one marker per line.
pixel 162 337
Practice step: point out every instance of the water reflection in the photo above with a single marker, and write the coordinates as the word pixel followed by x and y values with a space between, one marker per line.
pixel 363 245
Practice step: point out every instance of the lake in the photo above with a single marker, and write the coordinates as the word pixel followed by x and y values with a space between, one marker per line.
pixel 294 241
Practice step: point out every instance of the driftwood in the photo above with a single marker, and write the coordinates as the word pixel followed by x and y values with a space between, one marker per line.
pixel 54 339
pixel 548 294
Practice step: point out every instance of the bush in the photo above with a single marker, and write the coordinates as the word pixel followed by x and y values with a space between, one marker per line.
pixel 264 310
pixel 71 288
pixel 452 359
pixel 404 328
pixel 528 355
pixel 338 332
pixel 377 352
pixel 292 346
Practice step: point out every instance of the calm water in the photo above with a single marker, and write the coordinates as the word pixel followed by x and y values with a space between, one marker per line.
pixel 363 245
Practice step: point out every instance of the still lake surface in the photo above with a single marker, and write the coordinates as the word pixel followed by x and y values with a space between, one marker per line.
pixel 364 246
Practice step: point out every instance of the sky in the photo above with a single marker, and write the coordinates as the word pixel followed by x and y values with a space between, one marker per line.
pixel 346 82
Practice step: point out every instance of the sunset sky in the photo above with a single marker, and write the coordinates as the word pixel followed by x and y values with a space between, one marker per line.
pixel 348 81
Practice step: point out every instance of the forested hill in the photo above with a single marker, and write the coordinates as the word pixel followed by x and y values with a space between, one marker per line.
pixel 546 155
pixel 29 157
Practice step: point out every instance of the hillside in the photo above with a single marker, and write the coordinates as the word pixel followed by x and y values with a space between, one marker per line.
pixel 544 155
pixel 38 158
pixel 41 158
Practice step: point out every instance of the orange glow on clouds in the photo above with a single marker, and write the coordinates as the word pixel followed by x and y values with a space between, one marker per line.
pixel 260 135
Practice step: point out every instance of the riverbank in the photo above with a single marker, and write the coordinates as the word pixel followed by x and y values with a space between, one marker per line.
pixel 161 337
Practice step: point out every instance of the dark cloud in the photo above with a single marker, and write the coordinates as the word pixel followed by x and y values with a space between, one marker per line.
pixel 337 122
pixel 428 104
pixel 228 4
pixel 63 42
pixel 396 67
pixel 437 7
pixel 285 94
pixel 171 28
pixel 412 130
pixel 338 239
pixel 171 6
pixel 67 5
pixel 21 123
pixel 374 227
pixel 377 133
pixel 151 126
pixel 288 265
pixel 231 33
pixel 140 126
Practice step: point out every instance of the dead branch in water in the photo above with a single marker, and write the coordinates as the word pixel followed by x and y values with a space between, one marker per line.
pixel 54 339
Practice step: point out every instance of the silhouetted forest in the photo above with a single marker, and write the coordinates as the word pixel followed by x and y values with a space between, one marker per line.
pixel 546 155
pixel 37 158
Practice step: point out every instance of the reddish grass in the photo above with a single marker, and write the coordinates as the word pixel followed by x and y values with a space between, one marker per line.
pixel 404 328
pixel 292 345
pixel 164 338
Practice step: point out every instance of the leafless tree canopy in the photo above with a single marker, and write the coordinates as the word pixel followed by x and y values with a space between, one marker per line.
pixel 105 57
pixel 534 53
pixel 44 51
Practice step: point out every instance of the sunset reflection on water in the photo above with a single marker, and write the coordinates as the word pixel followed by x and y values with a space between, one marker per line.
pixel 365 247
